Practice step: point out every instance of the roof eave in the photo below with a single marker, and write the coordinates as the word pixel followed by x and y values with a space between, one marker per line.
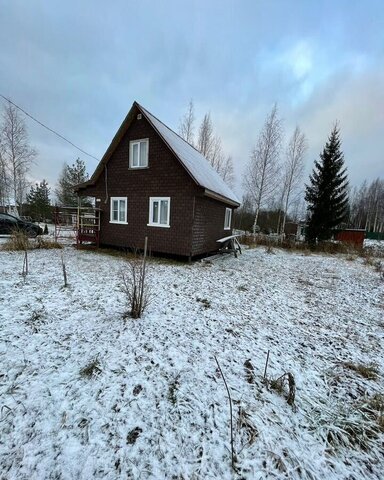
pixel 221 198
pixel 81 186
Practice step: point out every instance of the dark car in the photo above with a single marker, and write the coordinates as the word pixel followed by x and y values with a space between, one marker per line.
pixel 9 223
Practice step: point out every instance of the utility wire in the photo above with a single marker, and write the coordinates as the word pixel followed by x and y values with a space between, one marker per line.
pixel 50 129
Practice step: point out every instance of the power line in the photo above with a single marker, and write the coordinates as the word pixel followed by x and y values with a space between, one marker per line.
pixel 50 129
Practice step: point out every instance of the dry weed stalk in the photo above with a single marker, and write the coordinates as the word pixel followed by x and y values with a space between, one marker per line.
pixel 233 456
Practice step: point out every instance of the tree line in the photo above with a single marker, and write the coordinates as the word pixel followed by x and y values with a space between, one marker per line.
pixel 274 192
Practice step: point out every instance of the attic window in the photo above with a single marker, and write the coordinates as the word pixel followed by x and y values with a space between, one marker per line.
pixel 139 116
pixel 138 153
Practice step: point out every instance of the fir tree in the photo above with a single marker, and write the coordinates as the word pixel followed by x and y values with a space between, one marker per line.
pixel 327 195
pixel 71 175
pixel 39 202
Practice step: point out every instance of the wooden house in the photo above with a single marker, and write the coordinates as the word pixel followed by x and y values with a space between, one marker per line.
pixel 150 182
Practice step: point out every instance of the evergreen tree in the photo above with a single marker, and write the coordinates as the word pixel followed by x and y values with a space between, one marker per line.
pixel 327 194
pixel 39 202
pixel 71 175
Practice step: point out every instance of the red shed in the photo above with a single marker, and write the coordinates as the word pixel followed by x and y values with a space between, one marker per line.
pixel 351 235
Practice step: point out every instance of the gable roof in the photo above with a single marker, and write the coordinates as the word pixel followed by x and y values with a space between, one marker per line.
pixel 197 166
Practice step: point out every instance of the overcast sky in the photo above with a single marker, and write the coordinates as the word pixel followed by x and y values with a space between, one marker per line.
pixel 78 66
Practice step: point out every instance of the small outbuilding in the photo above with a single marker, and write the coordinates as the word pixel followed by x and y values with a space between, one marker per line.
pixel 152 183
pixel 354 236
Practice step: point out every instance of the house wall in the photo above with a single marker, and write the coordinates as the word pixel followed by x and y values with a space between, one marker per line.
pixel 208 226
pixel 164 177
pixel 196 221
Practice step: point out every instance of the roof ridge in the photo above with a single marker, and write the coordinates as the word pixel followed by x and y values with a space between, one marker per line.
pixel 166 126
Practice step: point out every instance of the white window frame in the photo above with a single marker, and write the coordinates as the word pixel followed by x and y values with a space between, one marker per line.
pixel 118 199
pixel 228 219
pixel 139 143
pixel 152 200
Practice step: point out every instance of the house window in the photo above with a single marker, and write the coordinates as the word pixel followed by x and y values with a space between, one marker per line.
pixel 159 208
pixel 138 153
pixel 118 210
pixel 227 219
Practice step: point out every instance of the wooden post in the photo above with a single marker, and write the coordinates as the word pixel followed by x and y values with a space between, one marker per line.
pixel 64 271
pixel 266 365
pixel 143 274
pixel 25 262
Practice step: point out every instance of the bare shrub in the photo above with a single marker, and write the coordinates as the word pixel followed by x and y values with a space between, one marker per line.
pixel 135 286
pixel 37 318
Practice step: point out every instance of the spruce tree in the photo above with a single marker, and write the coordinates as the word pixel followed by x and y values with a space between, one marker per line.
pixel 327 195
pixel 39 202
pixel 71 175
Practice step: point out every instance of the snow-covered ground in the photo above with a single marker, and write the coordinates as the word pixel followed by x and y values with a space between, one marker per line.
pixel 156 405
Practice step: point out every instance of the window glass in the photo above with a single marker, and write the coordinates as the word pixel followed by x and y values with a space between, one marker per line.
pixel 115 210
pixel 227 218
pixel 122 211
pixel 155 215
pixel 164 212
pixel 143 154
pixel 135 155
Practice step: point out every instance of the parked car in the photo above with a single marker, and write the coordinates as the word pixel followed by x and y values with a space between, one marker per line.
pixel 9 223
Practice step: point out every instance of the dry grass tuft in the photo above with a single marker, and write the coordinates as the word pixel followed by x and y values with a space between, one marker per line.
pixel 285 385
pixel 369 372
pixel 46 244
pixel 245 423
pixel 374 407
pixel 17 241
pixel 91 369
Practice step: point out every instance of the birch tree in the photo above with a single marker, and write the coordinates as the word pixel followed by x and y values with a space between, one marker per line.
pixel 262 173
pixel 17 154
pixel 187 124
pixel 3 179
pixel 207 143
pixel 210 146
pixel 293 171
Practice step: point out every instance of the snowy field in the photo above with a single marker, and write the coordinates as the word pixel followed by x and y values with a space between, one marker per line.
pixel 85 394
